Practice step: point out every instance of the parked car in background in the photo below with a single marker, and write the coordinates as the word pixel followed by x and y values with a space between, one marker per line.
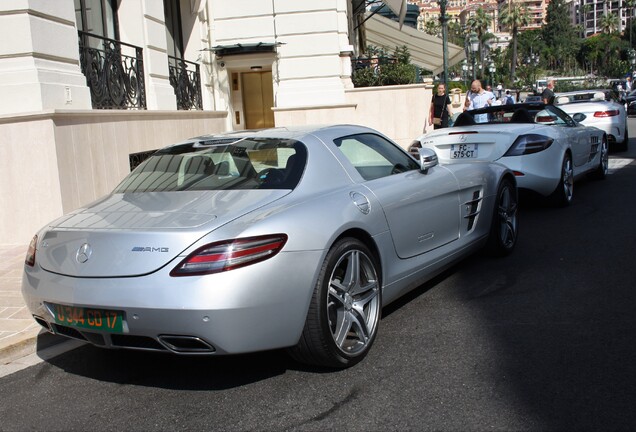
pixel 282 238
pixel 545 148
pixel 598 108
pixel 533 99
pixel 630 101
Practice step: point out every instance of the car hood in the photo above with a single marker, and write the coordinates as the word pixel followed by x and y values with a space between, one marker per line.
pixel 133 234
pixel 492 141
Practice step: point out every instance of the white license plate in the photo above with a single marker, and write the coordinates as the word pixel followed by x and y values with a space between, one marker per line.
pixel 463 151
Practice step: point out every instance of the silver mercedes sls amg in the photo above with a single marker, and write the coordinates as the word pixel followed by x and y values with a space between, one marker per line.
pixel 282 238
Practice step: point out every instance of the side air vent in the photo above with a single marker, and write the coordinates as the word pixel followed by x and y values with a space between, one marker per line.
pixel 472 208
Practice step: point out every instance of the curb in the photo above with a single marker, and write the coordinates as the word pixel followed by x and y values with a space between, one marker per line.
pixel 26 343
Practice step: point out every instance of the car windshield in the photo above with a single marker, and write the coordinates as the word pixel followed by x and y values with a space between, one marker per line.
pixel 517 113
pixel 220 164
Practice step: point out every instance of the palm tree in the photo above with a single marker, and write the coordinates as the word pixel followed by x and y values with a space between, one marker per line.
pixel 479 23
pixel 513 18
pixel 609 23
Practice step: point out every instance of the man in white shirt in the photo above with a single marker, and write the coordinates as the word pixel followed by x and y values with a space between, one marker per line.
pixel 477 98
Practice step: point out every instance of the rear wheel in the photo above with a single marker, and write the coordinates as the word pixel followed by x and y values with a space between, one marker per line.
pixel 564 192
pixel 504 227
pixel 344 313
pixel 603 166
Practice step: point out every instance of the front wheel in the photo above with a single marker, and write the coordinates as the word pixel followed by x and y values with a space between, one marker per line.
pixel 344 313
pixel 603 166
pixel 564 192
pixel 504 225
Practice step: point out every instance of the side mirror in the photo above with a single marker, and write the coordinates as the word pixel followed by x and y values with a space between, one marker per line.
pixel 414 149
pixel 428 159
pixel 579 117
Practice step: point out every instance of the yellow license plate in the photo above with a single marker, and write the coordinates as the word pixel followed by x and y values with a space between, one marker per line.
pixel 88 318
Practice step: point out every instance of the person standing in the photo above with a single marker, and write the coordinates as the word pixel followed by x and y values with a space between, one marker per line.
pixel 548 94
pixel 440 108
pixel 477 98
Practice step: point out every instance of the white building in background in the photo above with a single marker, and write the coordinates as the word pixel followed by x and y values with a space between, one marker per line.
pixel 90 87
pixel 589 13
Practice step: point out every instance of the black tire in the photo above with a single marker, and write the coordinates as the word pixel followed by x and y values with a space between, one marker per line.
pixel 564 192
pixel 504 227
pixel 603 167
pixel 344 313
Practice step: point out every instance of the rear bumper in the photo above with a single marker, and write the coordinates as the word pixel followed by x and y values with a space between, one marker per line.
pixel 255 308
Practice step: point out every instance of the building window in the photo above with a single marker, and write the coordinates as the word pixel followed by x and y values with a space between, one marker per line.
pixel 98 17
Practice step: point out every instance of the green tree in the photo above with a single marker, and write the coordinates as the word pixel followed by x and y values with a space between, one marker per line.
pixel 609 23
pixel 560 36
pixel 433 27
pixel 513 18
pixel 605 54
pixel 479 23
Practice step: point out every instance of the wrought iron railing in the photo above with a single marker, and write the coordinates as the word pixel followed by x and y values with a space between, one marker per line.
pixel 135 159
pixel 185 79
pixel 114 72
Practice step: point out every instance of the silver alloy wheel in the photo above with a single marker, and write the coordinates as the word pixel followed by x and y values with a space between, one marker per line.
pixel 507 210
pixel 353 303
pixel 567 176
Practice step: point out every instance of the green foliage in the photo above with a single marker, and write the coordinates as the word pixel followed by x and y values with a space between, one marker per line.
pixel 606 54
pixel 560 36
pixel 385 70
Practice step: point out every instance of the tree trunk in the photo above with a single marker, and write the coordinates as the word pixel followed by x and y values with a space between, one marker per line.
pixel 513 66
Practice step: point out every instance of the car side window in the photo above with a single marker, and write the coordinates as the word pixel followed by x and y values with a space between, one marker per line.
pixel 374 157
pixel 561 118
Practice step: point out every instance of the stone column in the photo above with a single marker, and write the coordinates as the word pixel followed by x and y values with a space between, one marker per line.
pixel 39 57
pixel 142 23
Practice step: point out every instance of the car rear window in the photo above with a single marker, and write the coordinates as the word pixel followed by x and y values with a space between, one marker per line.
pixel 220 164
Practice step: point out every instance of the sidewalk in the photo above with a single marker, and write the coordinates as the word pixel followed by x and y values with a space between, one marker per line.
pixel 18 330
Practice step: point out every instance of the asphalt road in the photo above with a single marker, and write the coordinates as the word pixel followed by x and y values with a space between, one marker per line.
pixel 541 340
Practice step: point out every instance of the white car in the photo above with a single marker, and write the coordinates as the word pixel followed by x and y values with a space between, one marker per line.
pixel 544 147
pixel 594 108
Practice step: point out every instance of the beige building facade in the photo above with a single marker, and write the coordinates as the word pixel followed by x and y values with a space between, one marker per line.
pixel 92 86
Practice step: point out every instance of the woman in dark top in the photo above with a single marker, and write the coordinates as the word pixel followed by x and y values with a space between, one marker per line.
pixel 440 108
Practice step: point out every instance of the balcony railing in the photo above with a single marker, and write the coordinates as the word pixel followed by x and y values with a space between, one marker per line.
pixel 114 72
pixel 185 79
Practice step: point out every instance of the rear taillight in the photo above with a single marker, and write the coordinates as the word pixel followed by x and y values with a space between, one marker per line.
pixel 610 113
pixel 30 255
pixel 528 144
pixel 229 255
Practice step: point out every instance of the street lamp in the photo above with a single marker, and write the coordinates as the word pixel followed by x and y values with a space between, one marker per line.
pixel 443 19
pixel 464 70
pixel 474 47
pixel 492 69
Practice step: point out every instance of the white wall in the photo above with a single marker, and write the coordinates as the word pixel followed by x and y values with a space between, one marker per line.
pixel 57 161
pixel 39 57
pixel 399 112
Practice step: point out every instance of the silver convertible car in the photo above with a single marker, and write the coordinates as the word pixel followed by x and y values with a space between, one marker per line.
pixel 545 148
pixel 253 241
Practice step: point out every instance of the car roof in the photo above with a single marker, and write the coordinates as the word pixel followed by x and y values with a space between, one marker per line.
pixel 286 132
